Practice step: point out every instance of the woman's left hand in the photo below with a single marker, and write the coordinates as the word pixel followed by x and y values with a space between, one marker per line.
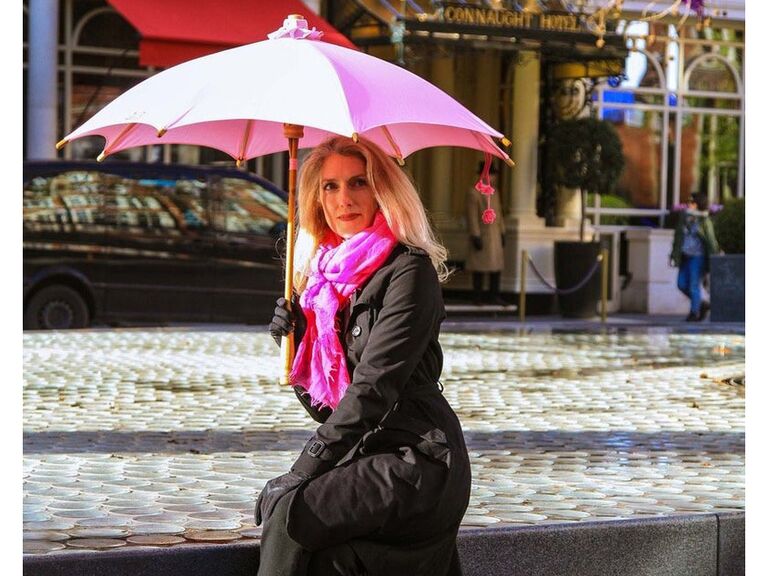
pixel 273 491
pixel 286 321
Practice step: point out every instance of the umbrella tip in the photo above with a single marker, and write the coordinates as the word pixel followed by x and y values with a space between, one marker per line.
pixel 100 157
pixel 161 132
pixel 61 143
pixel 506 141
pixel 355 137
pixel 510 162
pixel 239 162
pixel 295 26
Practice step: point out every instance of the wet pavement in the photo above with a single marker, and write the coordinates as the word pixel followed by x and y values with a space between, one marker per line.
pixel 162 437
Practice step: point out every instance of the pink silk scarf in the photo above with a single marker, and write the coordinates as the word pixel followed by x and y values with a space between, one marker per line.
pixel 336 271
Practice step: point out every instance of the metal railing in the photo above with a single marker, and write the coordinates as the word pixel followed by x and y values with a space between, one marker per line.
pixel 601 262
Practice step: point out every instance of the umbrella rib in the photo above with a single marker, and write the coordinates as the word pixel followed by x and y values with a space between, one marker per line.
pixel 108 149
pixel 244 142
pixel 480 137
pixel 394 145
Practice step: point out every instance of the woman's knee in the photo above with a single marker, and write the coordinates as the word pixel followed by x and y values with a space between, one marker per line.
pixel 275 532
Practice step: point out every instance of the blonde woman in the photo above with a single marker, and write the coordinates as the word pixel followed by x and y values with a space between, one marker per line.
pixel 383 484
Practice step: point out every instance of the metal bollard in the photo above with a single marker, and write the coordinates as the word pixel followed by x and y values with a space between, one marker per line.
pixel 604 285
pixel 523 270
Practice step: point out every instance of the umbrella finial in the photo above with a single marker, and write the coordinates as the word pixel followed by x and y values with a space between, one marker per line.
pixel 295 26
pixel 61 143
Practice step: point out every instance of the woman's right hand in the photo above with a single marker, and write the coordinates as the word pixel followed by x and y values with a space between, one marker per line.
pixel 286 321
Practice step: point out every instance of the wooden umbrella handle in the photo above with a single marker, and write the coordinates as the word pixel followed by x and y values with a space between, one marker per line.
pixel 293 132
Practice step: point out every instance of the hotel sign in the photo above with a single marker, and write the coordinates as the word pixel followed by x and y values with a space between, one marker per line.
pixel 553 29
pixel 464 15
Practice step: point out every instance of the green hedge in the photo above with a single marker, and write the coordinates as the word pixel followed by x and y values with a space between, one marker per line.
pixel 729 226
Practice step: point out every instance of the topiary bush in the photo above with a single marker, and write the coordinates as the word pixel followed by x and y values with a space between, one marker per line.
pixel 585 153
pixel 729 226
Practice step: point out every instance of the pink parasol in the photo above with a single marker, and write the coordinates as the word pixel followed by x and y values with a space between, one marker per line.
pixel 291 91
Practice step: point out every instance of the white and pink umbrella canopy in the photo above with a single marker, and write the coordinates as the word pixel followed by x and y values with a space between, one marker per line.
pixel 291 91
pixel 238 100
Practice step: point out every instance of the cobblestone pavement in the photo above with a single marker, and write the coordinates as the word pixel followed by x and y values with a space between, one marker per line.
pixel 161 437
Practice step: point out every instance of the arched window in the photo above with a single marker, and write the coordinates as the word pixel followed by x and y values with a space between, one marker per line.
pixel 101 62
pixel 106 29
pixel 638 107
pixel 712 117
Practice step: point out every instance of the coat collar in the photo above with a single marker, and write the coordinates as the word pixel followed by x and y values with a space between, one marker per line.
pixel 370 291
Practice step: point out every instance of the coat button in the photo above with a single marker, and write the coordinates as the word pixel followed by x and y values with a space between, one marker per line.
pixel 356 331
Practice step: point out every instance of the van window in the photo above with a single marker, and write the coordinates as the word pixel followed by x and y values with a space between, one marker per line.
pixel 44 211
pixel 96 202
pixel 246 207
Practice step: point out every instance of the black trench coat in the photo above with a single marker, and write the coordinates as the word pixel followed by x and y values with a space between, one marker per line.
pixel 389 469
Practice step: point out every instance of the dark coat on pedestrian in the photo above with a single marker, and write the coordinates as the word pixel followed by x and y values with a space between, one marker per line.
pixel 705 230
pixel 389 470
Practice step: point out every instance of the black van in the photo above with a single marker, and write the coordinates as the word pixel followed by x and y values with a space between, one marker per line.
pixel 128 243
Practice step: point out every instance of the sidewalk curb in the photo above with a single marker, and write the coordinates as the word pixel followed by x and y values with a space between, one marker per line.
pixel 696 544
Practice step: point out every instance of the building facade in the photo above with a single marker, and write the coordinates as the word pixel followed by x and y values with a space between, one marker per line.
pixel 670 81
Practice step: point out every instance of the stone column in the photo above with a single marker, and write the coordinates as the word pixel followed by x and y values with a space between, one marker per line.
pixel 42 79
pixel 521 202
pixel 525 230
pixel 439 193
pixel 473 78
pixel 487 79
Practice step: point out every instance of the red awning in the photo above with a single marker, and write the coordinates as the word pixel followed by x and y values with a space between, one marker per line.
pixel 174 31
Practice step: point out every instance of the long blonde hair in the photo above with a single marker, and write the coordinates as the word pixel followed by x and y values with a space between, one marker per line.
pixel 393 189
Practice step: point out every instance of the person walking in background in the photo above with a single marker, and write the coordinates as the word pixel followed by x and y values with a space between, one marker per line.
pixel 486 243
pixel 382 486
pixel 693 243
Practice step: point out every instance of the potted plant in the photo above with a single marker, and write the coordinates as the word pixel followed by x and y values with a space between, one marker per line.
pixel 582 153
pixel 726 271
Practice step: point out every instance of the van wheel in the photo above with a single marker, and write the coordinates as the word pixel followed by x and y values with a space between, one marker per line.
pixel 56 308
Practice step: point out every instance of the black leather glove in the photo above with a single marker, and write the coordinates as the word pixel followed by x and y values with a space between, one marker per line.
pixel 273 491
pixel 477 242
pixel 285 321
pixel 503 240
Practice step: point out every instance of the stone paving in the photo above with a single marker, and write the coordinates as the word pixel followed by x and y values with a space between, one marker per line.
pixel 161 437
